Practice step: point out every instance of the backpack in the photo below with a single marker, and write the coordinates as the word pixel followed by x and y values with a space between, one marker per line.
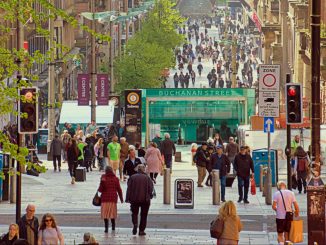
pixel 217 227
pixel 302 164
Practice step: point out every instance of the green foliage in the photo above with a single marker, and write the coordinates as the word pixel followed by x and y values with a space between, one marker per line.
pixel 323 30
pixel 150 51
pixel 13 62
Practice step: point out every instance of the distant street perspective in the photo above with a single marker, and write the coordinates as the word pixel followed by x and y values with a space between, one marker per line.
pixel 162 122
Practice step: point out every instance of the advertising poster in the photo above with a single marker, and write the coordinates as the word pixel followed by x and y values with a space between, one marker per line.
pixel 83 89
pixel 102 89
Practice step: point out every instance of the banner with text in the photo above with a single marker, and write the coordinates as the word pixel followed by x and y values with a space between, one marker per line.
pixel 133 116
pixel 83 89
pixel 102 89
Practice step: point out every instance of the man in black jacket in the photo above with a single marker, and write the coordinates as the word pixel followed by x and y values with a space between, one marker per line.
pixel 201 159
pixel 28 225
pixel 131 163
pixel 139 194
pixel 220 161
pixel 167 150
pixel 242 165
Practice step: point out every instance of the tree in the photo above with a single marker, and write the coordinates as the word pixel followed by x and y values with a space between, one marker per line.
pixel 141 65
pixel 151 50
pixel 13 61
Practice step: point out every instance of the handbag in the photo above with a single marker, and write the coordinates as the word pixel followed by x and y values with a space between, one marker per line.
pixel 97 200
pixel 294 182
pixel 288 215
pixel 296 231
pixel 252 186
pixel 217 227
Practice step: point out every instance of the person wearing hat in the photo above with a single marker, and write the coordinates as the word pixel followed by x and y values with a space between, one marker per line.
pixel 220 161
pixel 243 164
pixel 202 159
pixel 209 167
pixel 140 190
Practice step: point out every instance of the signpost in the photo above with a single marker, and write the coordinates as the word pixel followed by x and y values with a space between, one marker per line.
pixel 269 107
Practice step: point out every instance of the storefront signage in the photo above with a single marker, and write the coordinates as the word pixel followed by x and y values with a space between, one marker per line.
pixel 102 90
pixel 133 116
pixel 83 89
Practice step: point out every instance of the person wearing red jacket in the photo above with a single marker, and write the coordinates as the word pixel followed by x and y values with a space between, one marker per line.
pixel 110 189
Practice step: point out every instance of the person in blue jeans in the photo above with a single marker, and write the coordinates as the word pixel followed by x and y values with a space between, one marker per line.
pixel 243 164
pixel 221 162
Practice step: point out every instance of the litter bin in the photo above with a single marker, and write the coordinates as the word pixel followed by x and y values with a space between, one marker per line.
pixel 260 157
pixel 42 139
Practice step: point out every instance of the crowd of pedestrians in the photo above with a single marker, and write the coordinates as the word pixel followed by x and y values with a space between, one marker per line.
pixel 209 48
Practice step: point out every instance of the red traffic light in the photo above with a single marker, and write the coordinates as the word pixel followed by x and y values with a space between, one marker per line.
pixel 292 91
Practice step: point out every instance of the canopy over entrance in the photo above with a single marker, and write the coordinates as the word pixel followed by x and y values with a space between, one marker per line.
pixel 195 114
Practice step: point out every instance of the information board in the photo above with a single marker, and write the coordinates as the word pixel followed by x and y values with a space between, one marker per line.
pixel 184 193
pixel 133 116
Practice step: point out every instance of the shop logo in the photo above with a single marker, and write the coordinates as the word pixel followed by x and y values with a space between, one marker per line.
pixel 115 101
pixel 133 98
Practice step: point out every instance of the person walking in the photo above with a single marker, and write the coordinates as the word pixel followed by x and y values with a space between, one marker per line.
pixel 199 67
pixel 201 160
pixel 301 168
pixel 80 145
pixel 56 150
pixel 231 150
pixel 232 224
pixel 187 80
pixel 283 200
pixel 113 152
pixel 131 163
pixel 139 194
pixel 110 189
pixel 65 137
pixel 176 80
pixel 49 232
pixel 123 155
pixel 209 166
pixel 193 77
pixel 221 162
pixel 243 164
pixel 99 153
pixel 11 236
pixel 88 153
pixel 157 140
pixel 154 161
pixel 28 225
pixel 72 156
pixel 168 150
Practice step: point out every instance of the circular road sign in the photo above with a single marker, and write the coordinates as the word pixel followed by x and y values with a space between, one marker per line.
pixel 269 80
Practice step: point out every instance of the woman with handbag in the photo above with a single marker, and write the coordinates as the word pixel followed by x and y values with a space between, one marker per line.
pixel 49 233
pixel 110 189
pixel 232 224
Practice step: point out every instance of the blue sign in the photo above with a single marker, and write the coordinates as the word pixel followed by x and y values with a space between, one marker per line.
pixel 269 124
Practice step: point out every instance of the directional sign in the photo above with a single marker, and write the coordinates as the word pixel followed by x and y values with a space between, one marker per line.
pixel 269 125
pixel 269 104
pixel 269 78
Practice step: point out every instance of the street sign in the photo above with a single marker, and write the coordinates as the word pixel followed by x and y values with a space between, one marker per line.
pixel 269 78
pixel 269 124
pixel 269 104
pixel 184 193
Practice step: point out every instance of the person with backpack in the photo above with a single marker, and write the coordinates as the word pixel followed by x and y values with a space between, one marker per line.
pixel 301 168
pixel 227 225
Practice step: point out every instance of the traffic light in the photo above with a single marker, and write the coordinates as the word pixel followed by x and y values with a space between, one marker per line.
pixel 293 93
pixel 28 110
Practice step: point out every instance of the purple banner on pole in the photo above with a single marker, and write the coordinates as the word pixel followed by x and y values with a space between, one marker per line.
pixel 83 89
pixel 102 89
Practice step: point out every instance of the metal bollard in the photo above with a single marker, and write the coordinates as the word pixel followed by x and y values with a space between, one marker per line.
pixel 261 178
pixel 167 186
pixel 268 196
pixel 12 185
pixel 265 182
pixel 216 187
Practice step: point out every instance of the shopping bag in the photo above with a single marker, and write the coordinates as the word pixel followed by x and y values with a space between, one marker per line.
pixel 252 186
pixel 296 231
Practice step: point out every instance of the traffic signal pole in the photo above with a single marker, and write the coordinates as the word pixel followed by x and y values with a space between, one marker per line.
pixel 288 146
